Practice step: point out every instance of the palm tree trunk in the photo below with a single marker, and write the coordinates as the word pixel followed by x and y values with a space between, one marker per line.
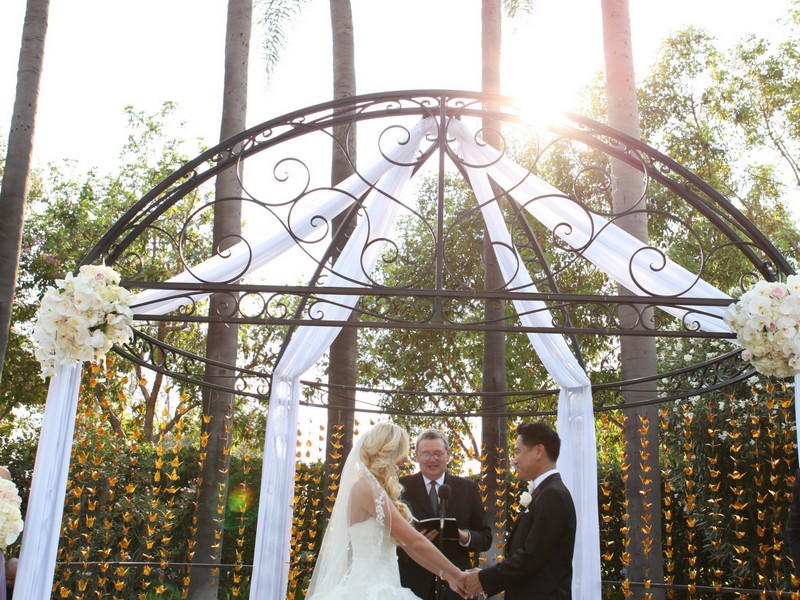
pixel 344 349
pixel 638 353
pixel 16 173
pixel 494 426
pixel 222 341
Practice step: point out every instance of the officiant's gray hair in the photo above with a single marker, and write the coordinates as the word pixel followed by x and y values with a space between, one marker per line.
pixel 433 434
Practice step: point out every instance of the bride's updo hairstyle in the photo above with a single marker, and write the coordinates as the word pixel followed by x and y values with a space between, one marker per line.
pixel 383 446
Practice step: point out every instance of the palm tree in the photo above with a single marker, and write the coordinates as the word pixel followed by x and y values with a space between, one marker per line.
pixel 16 173
pixel 638 353
pixel 343 352
pixel 494 425
pixel 222 341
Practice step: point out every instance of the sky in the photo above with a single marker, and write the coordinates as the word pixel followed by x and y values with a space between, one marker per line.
pixel 102 55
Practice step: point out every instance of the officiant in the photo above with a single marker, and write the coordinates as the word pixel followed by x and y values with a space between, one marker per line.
pixel 429 491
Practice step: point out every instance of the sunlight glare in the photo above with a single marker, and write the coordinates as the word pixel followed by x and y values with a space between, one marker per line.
pixel 547 64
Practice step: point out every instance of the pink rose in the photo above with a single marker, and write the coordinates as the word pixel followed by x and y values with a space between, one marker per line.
pixel 777 291
pixel 747 355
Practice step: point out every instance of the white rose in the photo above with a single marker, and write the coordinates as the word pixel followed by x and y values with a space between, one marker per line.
pixel 10 517
pixel 8 492
pixel 525 498
pixel 82 318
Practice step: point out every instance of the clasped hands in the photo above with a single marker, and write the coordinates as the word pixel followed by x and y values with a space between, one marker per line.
pixel 466 584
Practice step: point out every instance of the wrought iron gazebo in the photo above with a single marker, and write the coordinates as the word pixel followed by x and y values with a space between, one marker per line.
pixel 543 195
pixel 590 188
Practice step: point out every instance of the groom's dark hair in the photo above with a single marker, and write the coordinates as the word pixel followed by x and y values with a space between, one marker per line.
pixel 541 433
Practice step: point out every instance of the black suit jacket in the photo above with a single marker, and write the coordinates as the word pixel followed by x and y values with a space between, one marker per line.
pixel 538 563
pixel 793 527
pixel 466 506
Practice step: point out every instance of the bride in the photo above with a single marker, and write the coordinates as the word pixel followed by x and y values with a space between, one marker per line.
pixel 358 558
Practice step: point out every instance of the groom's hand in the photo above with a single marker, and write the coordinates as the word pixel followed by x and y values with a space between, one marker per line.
pixel 472 583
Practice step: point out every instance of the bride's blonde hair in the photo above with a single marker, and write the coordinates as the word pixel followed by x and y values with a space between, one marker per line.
pixel 383 446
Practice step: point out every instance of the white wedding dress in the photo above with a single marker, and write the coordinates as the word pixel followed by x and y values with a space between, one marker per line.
pixel 358 558
pixel 373 573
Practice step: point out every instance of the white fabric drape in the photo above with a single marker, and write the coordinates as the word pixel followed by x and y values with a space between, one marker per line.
pixel 356 261
pixel 641 268
pixel 575 420
pixel 37 558
pixel 575 424
pixel 242 258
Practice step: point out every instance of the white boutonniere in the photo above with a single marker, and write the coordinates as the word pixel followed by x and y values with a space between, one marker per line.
pixel 526 497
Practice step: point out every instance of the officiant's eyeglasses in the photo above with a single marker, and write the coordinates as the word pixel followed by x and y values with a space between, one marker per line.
pixel 436 455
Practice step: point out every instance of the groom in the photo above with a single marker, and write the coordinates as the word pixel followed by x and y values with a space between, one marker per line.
pixel 538 564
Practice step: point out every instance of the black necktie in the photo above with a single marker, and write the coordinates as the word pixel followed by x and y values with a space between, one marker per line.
pixel 434 498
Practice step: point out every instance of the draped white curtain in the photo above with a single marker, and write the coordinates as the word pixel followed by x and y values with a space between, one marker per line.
pixel 37 558
pixel 243 258
pixel 575 420
pixel 356 261
pixel 641 269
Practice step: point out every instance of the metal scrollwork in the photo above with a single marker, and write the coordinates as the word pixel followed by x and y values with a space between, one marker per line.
pixel 429 271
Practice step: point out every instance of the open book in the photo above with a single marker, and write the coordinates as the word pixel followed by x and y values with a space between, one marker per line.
pixel 450 531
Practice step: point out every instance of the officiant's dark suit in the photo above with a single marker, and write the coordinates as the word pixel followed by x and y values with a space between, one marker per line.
pixel 539 550
pixel 464 505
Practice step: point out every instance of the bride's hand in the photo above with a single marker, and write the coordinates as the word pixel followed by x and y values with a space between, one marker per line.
pixel 458 584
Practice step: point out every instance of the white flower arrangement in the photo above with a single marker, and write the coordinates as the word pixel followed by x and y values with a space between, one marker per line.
pixel 10 516
pixel 766 320
pixel 526 497
pixel 82 318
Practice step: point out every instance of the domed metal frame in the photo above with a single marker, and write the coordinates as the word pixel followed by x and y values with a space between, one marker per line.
pixel 719 236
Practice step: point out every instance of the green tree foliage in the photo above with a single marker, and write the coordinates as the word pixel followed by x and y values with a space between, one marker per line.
pixel 728 117
pixel 437 361
pixel 277 15
pixel 21 384
pixel 84 205
pixel 444 363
